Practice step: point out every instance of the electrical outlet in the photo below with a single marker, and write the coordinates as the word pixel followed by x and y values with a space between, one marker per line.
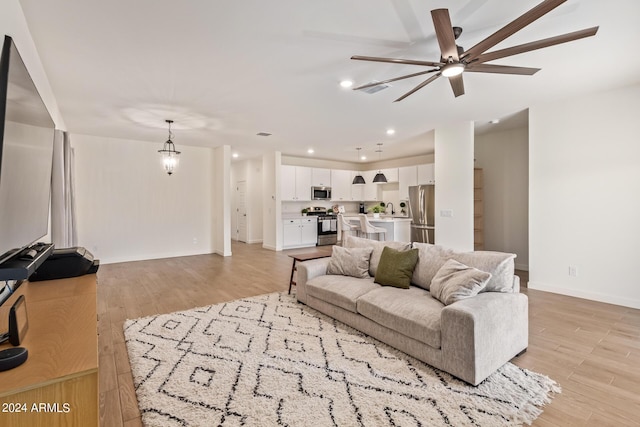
pixel 446 213
pixel 573 271
pixel 195 240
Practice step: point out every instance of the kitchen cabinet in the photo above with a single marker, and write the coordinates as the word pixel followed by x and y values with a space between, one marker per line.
pixel 340 185
pixel 357 190
pixel 391 174
pixel 426 174
pixel 320 177
pixel 299 232
pixel 295 183
pixel 407 177
pixel 371 189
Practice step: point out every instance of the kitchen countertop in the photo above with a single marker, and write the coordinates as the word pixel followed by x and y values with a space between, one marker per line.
pixel 381 219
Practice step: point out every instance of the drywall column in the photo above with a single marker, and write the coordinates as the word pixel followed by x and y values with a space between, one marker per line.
pixel 271 206
pixel 222 200
pixel 454 186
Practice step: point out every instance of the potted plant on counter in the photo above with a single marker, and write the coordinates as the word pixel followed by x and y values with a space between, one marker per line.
pixel 376 210
pixel 304 211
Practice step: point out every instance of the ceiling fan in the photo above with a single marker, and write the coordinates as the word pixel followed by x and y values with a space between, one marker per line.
pixel 454 60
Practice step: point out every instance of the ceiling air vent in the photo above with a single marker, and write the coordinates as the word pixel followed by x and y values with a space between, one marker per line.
pixel 373 89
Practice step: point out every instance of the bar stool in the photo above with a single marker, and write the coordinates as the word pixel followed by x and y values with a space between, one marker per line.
pixel 347 227
pixel 366 228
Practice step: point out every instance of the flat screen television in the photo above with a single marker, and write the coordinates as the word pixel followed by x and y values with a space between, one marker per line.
pixel 26 156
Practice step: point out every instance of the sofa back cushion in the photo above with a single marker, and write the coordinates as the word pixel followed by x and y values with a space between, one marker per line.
pixel 499 264
pixel 377 246
pixel 430 259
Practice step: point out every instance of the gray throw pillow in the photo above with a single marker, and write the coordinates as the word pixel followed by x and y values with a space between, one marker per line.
pixel 377 246
pixel 350 262
pixel 456 281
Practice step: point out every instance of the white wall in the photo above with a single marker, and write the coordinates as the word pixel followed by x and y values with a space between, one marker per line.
pixel 454 189
pixel 504 159
pixel 128 208
pixel 249 171
pixel 13 23
pixel 584 203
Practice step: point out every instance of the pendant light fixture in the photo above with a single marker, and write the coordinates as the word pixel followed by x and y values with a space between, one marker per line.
pixel 379 178
pixel 358 179
pixel 170 157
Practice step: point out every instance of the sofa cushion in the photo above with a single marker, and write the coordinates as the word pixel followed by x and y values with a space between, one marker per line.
pixel 499 264
pixel 357 242
pixel 412 312
pixel 342 291
pixel 456 281
pixel 396 267
pixel 350 262
pixel 430 259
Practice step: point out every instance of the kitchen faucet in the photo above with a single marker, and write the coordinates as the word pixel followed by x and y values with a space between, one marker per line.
pixel 390 204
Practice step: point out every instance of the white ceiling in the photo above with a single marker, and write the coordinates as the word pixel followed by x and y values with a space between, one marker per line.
pixel 225 70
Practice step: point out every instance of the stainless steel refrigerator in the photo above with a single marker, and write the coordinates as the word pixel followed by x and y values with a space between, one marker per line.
pixel 421 211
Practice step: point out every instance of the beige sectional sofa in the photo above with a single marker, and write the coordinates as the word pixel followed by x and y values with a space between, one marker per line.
pixel 469 338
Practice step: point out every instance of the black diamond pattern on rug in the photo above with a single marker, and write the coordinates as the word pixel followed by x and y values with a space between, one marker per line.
pixel 270 361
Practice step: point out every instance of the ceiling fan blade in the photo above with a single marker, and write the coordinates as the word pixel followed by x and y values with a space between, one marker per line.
pixel 539 44
pixel 517 24
pixel 457 84
pixel 420 86
pixel 444 33
pixel 397 61
pixel 394 79
pixel 500 69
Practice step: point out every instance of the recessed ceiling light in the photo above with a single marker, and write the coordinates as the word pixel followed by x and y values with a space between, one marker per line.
pixel 346 84
pixel 494 121
pixel 234 155
pixel 310 151
pixel 363 157
pixel 391 132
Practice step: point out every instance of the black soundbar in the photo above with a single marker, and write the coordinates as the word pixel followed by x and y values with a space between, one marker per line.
pixel 21 265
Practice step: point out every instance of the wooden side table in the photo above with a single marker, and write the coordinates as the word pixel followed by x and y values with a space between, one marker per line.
pixel 305 256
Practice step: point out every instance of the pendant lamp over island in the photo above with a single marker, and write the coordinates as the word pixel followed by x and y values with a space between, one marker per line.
pixel 170 157
pixel 379 178
pixel 358 179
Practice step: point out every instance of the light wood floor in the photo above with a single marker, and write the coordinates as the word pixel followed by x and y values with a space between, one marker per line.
pixel 592 349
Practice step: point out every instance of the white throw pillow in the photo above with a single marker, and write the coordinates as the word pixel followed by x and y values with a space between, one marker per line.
pixel 456 281
pixel 350 262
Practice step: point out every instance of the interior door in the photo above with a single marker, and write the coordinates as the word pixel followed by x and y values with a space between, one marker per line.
pixel 241 211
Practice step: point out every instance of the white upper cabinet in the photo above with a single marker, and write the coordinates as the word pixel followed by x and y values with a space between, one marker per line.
pixel 407 177
pixel 391 174
pixel 320 177
pixel 426 174
pixel 371 189
pixel 340 185
pixel 295 183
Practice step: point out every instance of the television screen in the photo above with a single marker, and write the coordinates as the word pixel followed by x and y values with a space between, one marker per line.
pixel 26 156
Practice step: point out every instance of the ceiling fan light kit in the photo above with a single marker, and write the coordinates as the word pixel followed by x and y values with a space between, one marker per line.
pixel 454 60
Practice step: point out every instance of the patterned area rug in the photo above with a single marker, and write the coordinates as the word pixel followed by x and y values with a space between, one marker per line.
pixel 270 361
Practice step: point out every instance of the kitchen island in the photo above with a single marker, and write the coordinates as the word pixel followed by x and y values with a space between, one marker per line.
pixel 398 228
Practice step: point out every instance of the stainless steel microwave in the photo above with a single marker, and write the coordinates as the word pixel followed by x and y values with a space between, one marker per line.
pixel 320 193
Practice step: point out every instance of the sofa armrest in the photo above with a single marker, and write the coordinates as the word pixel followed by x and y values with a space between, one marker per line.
pixel 307 270
pixel 482 333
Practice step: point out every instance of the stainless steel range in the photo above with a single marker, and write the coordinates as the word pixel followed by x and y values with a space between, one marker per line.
pixel 327 226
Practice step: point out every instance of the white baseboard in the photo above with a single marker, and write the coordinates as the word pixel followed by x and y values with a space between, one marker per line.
pixel 271 248
pixel 254 241
pixel 594 296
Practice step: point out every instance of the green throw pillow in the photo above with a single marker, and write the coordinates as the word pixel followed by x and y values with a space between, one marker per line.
pixel 396 267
